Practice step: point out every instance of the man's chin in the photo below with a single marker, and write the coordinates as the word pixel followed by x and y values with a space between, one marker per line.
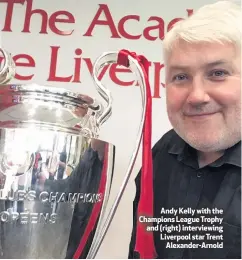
pixel 205 147
pixel 203 143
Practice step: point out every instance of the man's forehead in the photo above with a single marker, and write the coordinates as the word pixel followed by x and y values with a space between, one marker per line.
pixel 176 65
pixel 201 55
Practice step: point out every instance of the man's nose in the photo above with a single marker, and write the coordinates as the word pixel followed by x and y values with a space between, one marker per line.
pixel 197 92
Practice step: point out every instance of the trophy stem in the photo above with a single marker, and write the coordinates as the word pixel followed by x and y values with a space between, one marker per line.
pixel 102 228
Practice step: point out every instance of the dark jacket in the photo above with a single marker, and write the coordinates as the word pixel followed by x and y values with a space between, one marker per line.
pixel 180 183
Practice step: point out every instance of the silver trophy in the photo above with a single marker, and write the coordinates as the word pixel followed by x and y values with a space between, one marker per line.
pixel 55 172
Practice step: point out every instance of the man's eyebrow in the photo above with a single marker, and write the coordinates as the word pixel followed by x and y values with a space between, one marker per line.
pixel 217 62
pixel 205 65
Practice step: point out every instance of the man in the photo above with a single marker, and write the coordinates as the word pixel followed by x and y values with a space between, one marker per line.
pixel 62 164
pixel 197 164
pixel 36 168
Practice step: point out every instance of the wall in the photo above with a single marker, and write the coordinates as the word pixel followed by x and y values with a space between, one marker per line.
pixel 61 53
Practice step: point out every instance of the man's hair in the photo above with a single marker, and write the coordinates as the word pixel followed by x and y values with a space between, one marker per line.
pixel 219 22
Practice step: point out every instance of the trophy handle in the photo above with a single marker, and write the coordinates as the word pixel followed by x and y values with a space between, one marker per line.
pixel 104 59
pixel 7 72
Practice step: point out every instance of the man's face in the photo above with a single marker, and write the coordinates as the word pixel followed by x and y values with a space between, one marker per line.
pixel 203 83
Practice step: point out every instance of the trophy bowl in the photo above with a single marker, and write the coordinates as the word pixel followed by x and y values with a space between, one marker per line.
pixel 55 171
pixel 55 174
